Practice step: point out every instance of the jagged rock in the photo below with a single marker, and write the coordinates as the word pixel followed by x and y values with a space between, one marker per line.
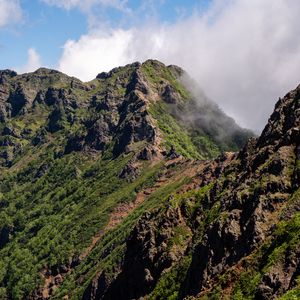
pixel 56 119
pixel 100 134
pixel 134 129
pixel 18 101
pixel 74 143
pixel 7 73
pixel 263 293
pixel 217 213
pixel 137 82
pixel 146 257
pixel 172 153
pixel 102 75
pixel 39 138
pixel 179 72
pixel 53 96
pixel 130 172
pixel 170 95
pixel 97 287
pixel 284 123
pixel 40 98
pixel 147 153
pixel 118 114
pixel 281 277
pixel 246 219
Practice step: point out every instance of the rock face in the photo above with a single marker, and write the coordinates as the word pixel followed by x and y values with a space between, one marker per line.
pixel 148 254
pixel 127 187
pixel 251 192
pixel 283 125
pixel 138 103
pixel 262 179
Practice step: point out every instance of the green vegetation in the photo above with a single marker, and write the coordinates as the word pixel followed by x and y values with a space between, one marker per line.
pixel 271 254
pixel 293 294
pixel 197 130
pixel 54 218
pixel 156 71
pixel 174 134
pixel 112 246
pixel 186 142
pixel 72 162
pixel 169 285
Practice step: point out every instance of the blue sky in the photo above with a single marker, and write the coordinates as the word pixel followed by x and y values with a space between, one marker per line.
pixel 42 27
pixel 47 27
pixel 244 54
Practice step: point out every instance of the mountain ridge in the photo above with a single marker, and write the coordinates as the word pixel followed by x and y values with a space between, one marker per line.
pixel 67 95
pixel 120 188
pixel 245 224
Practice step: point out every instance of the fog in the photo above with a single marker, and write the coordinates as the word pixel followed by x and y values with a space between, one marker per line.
pixel 244 54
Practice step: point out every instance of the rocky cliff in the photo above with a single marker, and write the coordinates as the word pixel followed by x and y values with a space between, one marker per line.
pixel 129 187
pixel 129 104
pixel 233 233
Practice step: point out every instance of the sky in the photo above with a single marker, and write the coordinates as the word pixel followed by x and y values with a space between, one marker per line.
pixel 243 54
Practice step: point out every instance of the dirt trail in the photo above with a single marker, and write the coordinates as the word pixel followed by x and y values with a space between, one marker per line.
pixel 169 176
pixel 124 209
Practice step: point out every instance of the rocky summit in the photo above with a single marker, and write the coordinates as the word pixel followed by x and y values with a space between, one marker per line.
pixel 135 185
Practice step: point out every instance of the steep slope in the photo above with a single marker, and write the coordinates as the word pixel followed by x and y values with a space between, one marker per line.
pixel 231 232
pixel 105 111
pixel 81 162
pixel 105 192
pixel 257 231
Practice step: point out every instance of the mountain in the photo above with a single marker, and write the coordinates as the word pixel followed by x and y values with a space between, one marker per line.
pixel 124 188
pixel 130 104
pixel 231 232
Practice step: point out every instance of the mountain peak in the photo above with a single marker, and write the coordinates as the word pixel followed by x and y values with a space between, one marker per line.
pixel 138 103
pixel 132 66
pixel 284 123
pixel 129 187
pixel 8 72
pixel 46 71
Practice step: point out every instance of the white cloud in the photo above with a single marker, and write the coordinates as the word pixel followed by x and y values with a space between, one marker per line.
pixel 245 54
pixel 66 4
pixel 93 53
pixel 10 12
pixel 95 10
pixel 85 5
pixel 33 62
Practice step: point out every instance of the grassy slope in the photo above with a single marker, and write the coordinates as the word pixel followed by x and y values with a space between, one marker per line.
pixel 190 141
pixel 53 217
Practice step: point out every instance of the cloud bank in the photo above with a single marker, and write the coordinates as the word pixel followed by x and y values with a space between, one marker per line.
pixel 244 54
pixel 94 53
pixel 10 12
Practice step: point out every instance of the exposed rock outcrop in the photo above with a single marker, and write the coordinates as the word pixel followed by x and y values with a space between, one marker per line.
pixel 261 181
pixel 107 190
pixel 248 192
